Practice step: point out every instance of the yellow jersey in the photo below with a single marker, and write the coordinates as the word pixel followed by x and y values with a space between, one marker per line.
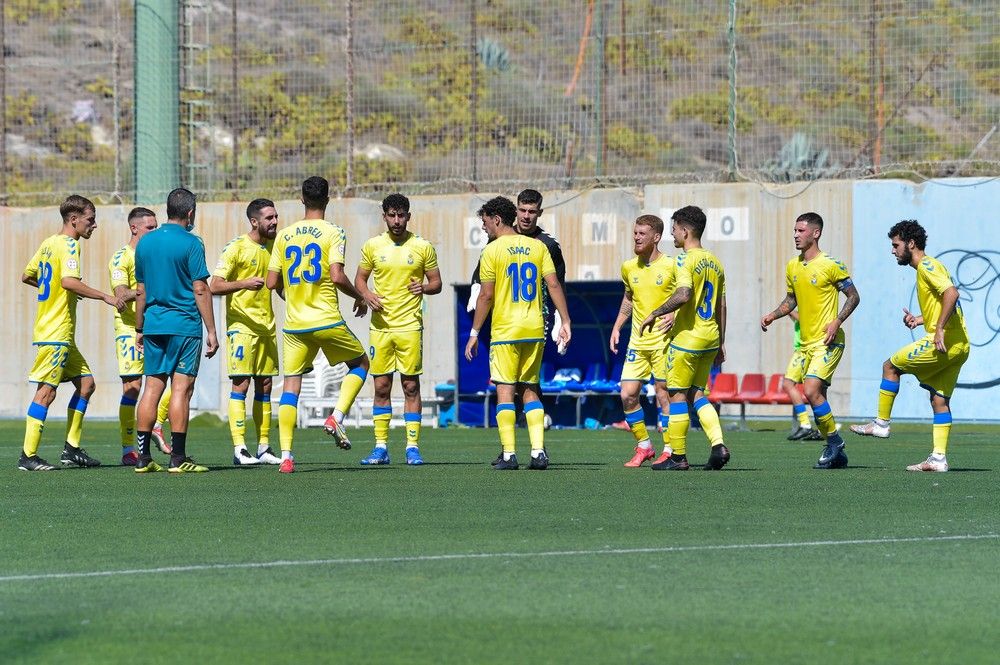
pixel 121 271
pixel 932 281
pixel 247 311
pixel 516 265
pixel 393 266
pixel 649 286
pixel 302 254
pixel 816 286
pixel 695 327
pixel 55 321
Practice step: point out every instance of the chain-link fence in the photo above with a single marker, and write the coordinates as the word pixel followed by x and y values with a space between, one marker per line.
pixel 453 95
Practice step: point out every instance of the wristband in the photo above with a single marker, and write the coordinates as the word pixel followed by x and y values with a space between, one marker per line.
pixel 473 333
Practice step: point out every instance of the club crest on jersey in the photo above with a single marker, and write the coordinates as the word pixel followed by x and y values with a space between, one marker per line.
pixel 409 259
pixel 659 279
pixel 72 264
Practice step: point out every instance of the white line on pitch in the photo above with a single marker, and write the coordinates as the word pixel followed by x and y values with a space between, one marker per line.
pixel 491 555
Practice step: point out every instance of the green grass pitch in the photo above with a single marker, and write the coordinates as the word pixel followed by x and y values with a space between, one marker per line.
pixel 767 561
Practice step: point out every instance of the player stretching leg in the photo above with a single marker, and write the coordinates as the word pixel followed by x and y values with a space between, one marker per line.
pixel 55 270
pixel 121 270
pixel 699 338
pixel 813 283
pixel 512 269
pixel 251 337
pixel 648 280
pixel 400 261
pixel 308 263
pixel 937 358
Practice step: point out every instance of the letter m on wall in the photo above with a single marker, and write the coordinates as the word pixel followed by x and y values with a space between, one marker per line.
pixel 600 229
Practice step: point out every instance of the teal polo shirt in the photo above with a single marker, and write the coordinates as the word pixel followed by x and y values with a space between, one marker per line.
pixel 168 261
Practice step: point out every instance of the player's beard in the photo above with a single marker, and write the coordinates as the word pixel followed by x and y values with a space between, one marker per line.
pixel 905 259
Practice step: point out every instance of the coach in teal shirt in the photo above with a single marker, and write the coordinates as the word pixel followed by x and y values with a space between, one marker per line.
pixel 169 262
pixel 171 304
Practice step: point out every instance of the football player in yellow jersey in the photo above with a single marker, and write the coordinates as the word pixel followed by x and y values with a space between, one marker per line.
pixel 698 339
pixel 814 282
pixel 649 280
pixel 512 269
pixel 307 262
pixel 251 337
pixel 55 271
pixel 406 269
pixel 936 358
pixel 121 270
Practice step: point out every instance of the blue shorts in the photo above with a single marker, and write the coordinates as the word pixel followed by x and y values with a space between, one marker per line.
pixel 169 354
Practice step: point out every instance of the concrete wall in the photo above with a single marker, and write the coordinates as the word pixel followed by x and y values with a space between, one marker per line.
pixel 749 228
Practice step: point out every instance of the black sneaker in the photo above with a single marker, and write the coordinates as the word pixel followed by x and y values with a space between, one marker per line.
pixel 507 464
pixel 799 433
pixel 718 458
pixel 76 457
pixel 673 463
pixel 814 435
pixel 33 463
pixel 539 463
pixel 839 461
pixel 498 459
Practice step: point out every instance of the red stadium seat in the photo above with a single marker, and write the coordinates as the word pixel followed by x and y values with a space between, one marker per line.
pixel 774 394
pixel 752 388
pixel 723 389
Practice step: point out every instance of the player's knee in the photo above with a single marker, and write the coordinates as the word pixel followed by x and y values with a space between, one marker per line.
pixel 411 388
pixel 788 385
pixel 814 394
pixel 361 361
pixel 241 384
pixel 86 387
pixel 262 385
pixel 45 395
pixel 889 371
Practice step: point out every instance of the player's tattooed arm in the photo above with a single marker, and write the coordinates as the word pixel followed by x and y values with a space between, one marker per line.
pixel 786 307
pixel 674 302
pixel 125 293
pixel 853 299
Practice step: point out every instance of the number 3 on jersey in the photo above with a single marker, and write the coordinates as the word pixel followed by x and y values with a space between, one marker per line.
pixel 705 311
pixel 312 254
pixel 522 281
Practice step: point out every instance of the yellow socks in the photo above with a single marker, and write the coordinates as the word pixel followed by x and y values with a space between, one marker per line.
pixel 262 418
pixel 126 421
pixel 709 418
pixel 506 419
pixel 887 392
pixel 534 414
pixel 678 427
pixel 800 413
pixel 636 422
pixel 825 423
pixel 942 428
pixel 381 415
pixel 412 422
pixel 163 408
pixel 238 418
pixel 665 433
pixel 34 424
pixel 74 419
pixel 350 388
pixel 288 411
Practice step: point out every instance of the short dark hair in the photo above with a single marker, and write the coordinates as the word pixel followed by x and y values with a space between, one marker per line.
pixel 500 206
pixel 652 221
pixel 811 218
pixel 315 192
pixel 530 196
pixel 396 202
pixel 137 213
pixel 180 203
pixel 693 218
pixel 907 230
pixel 75 205
pixel 253 210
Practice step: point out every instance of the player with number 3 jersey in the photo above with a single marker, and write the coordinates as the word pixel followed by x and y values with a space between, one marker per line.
pixel 699 333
